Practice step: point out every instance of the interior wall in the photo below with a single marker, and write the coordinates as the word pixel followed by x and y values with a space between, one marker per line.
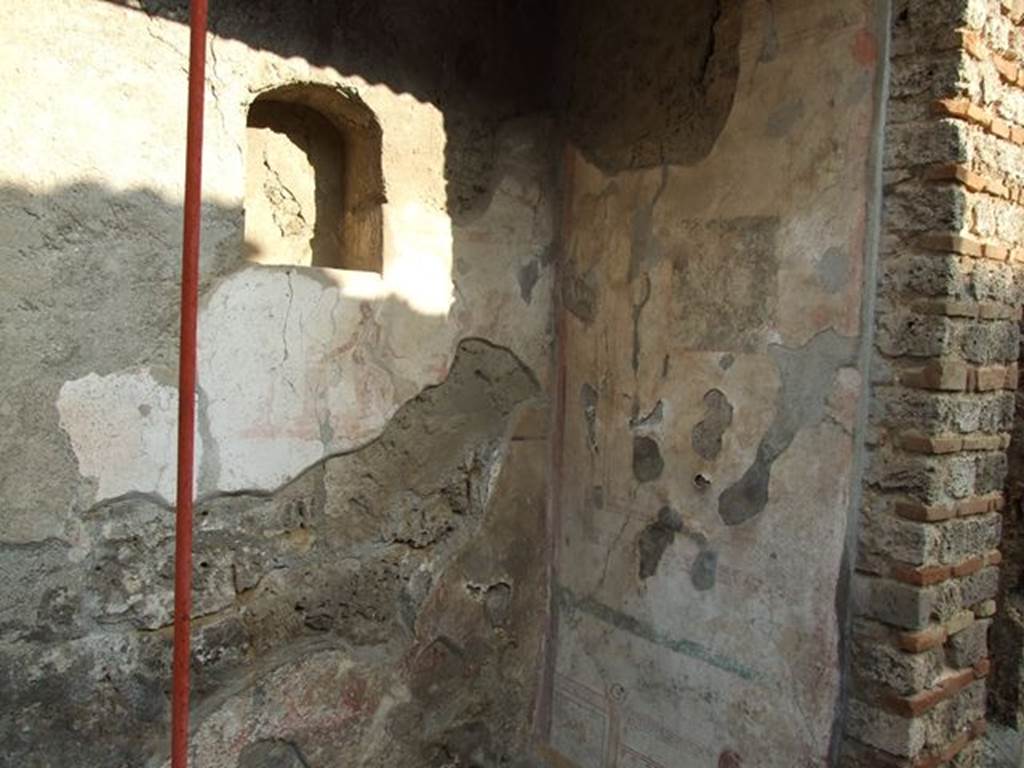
pixel 710 343
pixel 372 448
pixel 371 565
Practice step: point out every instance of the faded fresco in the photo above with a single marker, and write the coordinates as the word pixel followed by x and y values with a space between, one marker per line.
pixel 712 333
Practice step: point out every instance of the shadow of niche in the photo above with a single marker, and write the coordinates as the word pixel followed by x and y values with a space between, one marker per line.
pixel 278 188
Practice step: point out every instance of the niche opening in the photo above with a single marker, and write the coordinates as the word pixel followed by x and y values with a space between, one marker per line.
pixel 313 182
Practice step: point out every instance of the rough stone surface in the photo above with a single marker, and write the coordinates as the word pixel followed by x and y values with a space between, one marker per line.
pixel 271 754
pixel 378 573
pixel 946 346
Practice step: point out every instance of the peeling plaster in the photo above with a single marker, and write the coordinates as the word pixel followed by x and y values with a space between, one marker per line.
pixel 741 303
pixel 707 435
pixel 807 374
pixel 647 461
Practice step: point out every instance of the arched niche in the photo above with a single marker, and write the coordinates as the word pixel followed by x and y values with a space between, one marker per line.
pixel 314 188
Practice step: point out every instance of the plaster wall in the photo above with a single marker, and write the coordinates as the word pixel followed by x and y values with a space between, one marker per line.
pixel 710 342
pixel 267 413
pixel 350 475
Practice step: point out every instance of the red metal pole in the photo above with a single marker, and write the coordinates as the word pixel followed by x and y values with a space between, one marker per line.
pixel 187 385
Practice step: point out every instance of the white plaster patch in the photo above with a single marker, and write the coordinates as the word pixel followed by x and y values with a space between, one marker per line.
pixel 293 370
pixel 296 364
pixel 122 428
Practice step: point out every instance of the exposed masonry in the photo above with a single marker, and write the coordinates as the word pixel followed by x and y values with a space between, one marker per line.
pixel 365 574
pixel 944 376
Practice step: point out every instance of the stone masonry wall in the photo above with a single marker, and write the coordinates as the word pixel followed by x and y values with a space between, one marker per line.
pixel 944 375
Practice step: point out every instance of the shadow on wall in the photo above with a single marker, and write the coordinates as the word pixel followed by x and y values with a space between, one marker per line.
pixel 653 88
pixel 634 84
pixel 481 64
pixel 90 284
